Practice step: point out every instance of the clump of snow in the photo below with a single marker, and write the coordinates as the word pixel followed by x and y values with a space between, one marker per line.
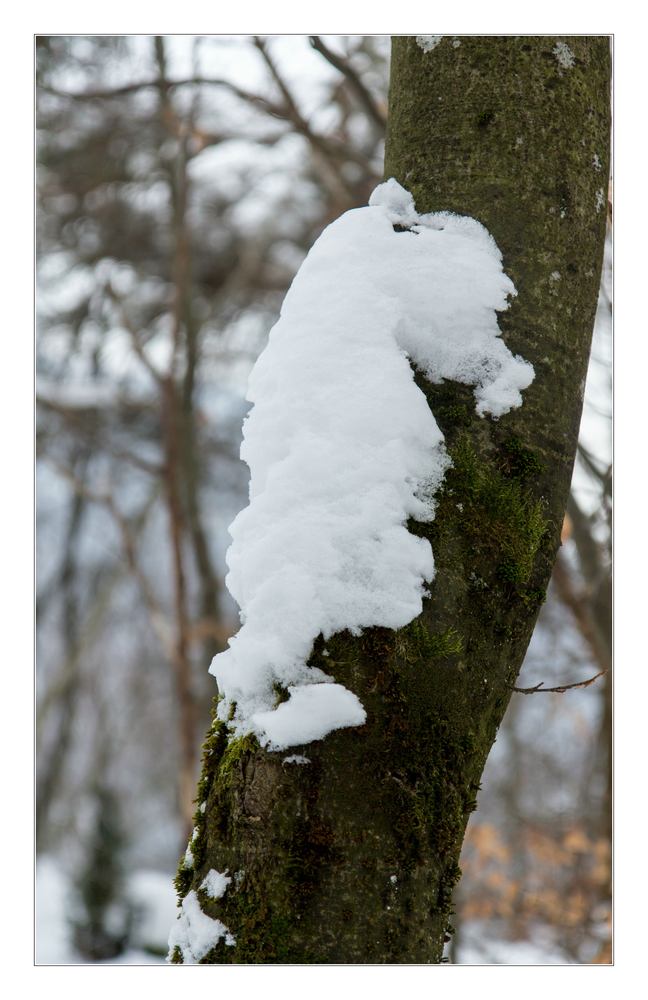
pixel 188 860
pixel 397 203
pixel 600 199
pixel 296 758
pixel 428 42
pixel 343 449
pixel 215 883
pixel 195 933
pixel 312 711
pixel 564 55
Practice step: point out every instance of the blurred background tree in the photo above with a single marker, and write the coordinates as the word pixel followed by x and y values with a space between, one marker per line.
pixel 181 181
pixel 101 911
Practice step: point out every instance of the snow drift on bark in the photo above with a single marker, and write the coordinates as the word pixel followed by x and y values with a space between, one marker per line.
pixel 343 449
pixel 195 933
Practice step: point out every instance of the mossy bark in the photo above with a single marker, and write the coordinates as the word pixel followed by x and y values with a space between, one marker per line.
pixel 353 857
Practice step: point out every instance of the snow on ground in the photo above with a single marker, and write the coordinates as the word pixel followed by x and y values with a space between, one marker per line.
pixel 343 449
pixel 154 899
pixel 154 896
pixel 53 945
pixel 479 944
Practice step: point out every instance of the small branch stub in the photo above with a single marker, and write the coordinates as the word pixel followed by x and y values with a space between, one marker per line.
pixel 541 689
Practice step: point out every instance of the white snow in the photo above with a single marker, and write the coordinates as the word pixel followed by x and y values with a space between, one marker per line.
pixel 188 860
pixel 53 932
pixel 564 55
pixel 215 883
pixel 343 449
pixel 312 711
pixel 195 933
pixel 296 758
pixel 428 42
pixel 485 942
pixel 151 893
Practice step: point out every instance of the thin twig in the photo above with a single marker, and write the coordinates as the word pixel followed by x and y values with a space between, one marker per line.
pixel 74 414
pixel 540 688
pixel 133 88
pixel 129 548
pixel 593 558
pixel 136 343
pixel 584 610
pixel 290 113
pixel 591 463
pixel 332 152
pixel 343 66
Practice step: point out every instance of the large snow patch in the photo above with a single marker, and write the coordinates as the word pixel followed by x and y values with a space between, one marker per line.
pixel 343 449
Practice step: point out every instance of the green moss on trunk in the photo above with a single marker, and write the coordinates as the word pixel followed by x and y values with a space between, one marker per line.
pixel 353 857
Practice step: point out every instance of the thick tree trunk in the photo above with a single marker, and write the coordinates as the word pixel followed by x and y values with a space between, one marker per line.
pixel 353 857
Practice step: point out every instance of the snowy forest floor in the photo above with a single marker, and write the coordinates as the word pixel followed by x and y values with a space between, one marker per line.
pixel 154 900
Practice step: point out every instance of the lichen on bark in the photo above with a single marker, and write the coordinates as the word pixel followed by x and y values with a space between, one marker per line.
pixel 353 857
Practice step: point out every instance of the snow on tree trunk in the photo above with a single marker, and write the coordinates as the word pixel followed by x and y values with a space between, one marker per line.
pixel 347 850
pixel 323 545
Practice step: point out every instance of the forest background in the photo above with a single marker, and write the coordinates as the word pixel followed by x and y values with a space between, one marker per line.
pixel 171 219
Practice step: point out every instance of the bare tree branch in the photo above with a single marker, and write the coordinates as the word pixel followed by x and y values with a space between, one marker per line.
pixel 107 500
pixel 72 414
pixel 561 688
pixel 328 149
pixel 193 81
pixel 138 347
pixel 374 112
pixel 583 612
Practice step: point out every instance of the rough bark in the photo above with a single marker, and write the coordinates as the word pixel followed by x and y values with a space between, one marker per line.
pixel 353 857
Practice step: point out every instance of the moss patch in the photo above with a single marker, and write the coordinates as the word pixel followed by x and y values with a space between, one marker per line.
pixel 183 879
pixel 518 461
pixel 500 511
pixel 236 750
pixel 416 643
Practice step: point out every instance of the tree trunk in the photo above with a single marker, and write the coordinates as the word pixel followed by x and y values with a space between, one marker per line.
pixel 353 857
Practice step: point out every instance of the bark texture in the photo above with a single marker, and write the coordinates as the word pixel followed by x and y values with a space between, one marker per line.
pixel 353 857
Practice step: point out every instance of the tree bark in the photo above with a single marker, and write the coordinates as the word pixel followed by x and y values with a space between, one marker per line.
pixel 353 857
